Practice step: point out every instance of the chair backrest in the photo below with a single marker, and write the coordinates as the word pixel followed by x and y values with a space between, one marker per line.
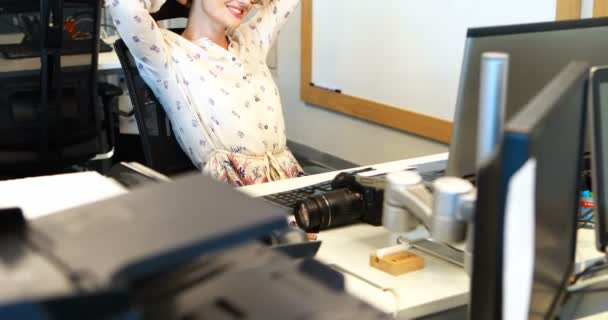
pixel 51 117
pixel 161 150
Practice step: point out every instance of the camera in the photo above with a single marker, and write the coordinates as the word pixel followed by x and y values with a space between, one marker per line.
pixel 353 199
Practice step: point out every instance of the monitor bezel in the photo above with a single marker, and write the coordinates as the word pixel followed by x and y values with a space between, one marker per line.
pixel 573 74
pixel 517 147
pixel 513 29
pixel 598 76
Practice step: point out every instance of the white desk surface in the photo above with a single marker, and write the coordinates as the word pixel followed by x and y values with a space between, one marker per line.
pixel 108 61
pixel 439 286
pixel 39 196
pixel 427 163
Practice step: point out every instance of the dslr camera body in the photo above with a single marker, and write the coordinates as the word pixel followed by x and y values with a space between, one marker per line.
pixel 353 199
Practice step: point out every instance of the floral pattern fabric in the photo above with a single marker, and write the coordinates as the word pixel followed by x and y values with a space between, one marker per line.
pixel 224 106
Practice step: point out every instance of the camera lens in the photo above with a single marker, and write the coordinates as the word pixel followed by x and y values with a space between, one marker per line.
pixel 328 210
pixel 302 215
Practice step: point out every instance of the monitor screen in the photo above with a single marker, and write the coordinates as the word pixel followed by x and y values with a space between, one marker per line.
pixel 537 53
pixel 599 171
pixel 548 132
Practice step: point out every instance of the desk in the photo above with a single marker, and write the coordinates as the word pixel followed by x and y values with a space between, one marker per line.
pixel 108 61
pixel 438 287
pixel 39 196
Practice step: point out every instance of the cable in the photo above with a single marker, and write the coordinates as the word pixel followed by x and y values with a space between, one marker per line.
pixel 584 223
pixel 590 286
pixel 592 290
pixel 401 239
pixel 586 212
pixel 585 217
pixel 452 247
pixel 593 268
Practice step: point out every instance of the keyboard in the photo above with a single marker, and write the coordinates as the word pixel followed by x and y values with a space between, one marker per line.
pixel 70 47
pixel 289 198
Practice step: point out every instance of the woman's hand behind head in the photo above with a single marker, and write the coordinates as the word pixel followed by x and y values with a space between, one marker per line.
pixel 172 9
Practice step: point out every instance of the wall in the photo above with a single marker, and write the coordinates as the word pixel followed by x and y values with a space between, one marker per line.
pixel 587 8
pixel 337 134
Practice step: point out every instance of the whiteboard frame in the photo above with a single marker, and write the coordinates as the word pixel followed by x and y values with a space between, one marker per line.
pixel 600 8
pixel 390 116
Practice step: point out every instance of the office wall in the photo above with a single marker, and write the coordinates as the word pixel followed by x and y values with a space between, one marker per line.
pixel 587 8
pixel 338 134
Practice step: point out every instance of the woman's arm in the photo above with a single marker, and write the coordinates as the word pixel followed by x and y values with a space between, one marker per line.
pixel 269 20
pixel 140 32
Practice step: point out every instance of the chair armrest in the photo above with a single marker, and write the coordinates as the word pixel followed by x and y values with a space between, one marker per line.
pixel 107 90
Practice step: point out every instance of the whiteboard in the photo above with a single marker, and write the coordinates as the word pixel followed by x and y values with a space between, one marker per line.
pixel 405 53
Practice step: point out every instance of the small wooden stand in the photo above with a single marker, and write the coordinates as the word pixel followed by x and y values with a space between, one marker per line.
pixel 397 263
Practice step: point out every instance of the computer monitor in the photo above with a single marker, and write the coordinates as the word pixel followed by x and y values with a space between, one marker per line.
pixel 537 53
pixel 598 101
pixel 542 143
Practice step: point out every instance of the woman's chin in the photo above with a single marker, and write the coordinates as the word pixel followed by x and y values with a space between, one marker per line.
pixel 233 25
pixel 233 21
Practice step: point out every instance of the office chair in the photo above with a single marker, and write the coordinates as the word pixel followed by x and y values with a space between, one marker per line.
pixel 53 118
pixel 161 150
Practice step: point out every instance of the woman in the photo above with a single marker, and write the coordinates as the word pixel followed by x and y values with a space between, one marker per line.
pixel 214 84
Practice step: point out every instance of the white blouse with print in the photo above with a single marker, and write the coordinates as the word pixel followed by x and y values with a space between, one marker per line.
pixel 223 105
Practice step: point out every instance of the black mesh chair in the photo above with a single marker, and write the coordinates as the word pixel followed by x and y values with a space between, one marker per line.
pixel 161 150
pixel 52 118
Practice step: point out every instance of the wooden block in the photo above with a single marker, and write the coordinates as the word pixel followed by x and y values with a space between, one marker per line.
pixel 397 263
